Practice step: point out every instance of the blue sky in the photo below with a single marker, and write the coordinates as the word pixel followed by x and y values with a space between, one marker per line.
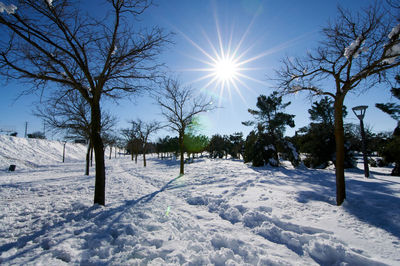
pixel 266 31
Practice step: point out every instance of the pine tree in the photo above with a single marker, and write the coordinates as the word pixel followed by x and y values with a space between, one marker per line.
pixel 271 122
pixel 217 146
pixel 391 151
pixel 318 139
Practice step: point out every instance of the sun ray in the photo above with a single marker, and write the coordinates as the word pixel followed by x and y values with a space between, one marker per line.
pixel 212 81
pixel 198 47
pixel 238 91
pixel 227 61
pixel 221 48
pixel 253 79
pixel 216 54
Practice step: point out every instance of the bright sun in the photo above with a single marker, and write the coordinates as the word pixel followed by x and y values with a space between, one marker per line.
pixel 225 65
pixel 226 69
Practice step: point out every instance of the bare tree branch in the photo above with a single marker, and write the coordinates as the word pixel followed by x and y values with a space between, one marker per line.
pixel 59 44
pixel 179 106
pixel 357 47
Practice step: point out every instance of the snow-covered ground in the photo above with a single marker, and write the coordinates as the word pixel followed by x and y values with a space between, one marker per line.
pixel 221 212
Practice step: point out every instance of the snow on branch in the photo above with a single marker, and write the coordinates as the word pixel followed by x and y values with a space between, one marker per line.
pixel 114 50
pixel 395 31
pixel 393 52
pixel 9 9
pixel 354 49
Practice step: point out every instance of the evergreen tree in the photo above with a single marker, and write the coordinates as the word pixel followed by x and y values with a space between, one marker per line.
pixel 217 146
pixel 248 154
pixel 236 145
pixel 167 146
pixel 271 122
pixel 318 139
pixel 195 143
pixel 391 151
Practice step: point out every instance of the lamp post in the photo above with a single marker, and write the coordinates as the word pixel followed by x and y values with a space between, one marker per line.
pixel 65 142
pixel 359 111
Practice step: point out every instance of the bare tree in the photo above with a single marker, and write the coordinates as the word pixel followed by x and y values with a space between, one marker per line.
pixel 132 141
pixel 57 42
pixel 144 130
pixel 71 113
pixel 111 140
pixel 179 106
pixel 362 47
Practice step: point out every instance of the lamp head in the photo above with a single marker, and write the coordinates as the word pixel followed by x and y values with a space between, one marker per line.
pixel 359 111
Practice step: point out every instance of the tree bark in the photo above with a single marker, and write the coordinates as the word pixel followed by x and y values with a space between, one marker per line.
pixel 91 154
pixel 99 189
pixel 110 152
pixel 339 138
pixel 88 157
pixel 181 171
pixel 132 150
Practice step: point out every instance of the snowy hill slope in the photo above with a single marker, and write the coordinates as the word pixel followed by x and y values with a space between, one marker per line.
pixel 28 153
pixel 221 212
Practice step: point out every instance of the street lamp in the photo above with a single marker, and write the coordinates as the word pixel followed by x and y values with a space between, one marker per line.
pixel 65 142
pixel 359 111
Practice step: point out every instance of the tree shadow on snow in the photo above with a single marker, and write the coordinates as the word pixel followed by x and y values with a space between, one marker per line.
pixel 312 185
pixel 374 203
pixel 166 162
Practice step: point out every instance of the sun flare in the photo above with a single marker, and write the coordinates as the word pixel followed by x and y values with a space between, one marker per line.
pixel 226 69
pixel 226 63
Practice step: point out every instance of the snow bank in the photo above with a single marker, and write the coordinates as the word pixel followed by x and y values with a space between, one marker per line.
pixel 31 153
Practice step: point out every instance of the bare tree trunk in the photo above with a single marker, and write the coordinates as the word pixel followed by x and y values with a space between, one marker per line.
pixel 181 171
pixel 100 184
pixel 339 138
pixel 110 152
pixel 88 157
pixel 136 155
pixel 91 154
pixel 144 158
pixel 132 151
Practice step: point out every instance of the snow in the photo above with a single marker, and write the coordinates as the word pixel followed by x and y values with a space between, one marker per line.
pixel 355 48
pixel 269 147
pixel 393 52
pixel 114 50
pixel 9 9
pixel 293 150
pixel 394 31
pixel 221 212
